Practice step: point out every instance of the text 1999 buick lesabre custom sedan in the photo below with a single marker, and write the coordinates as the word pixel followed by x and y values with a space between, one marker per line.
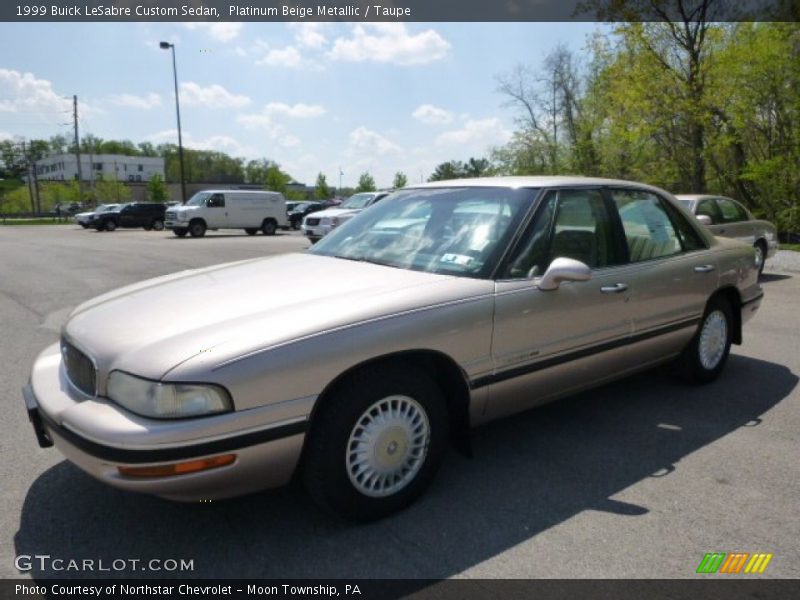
pixel 444 306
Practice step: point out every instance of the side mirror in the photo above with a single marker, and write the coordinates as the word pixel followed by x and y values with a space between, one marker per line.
pixel 704 220
pixel 564 269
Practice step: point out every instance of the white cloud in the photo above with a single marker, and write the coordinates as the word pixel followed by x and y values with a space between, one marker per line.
pixel 4 135
pixel 222 32
pixel 365 142
pixel 219 143
pixel 295 111
pixel 212 96
pixel 483 131
pixel 145 102
pixel 288 57
pixel 390 43
pixel 24 92
pixel 309 35
pixel 432 115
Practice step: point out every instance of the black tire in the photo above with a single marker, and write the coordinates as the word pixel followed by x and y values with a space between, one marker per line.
pixel 84 225
pixel 251 231
pixel 110 225
pixel 325 468
pixel 158 225
pixel 269 227
pixel 761 246
pixel 180 232
pixel 690 365
pixel 295 224
pixel 147 228
pixel 197 229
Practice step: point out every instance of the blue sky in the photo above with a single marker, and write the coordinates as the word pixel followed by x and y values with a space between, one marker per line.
pixel 368 97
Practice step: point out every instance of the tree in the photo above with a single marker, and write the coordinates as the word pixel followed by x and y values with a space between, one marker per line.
pixel 453 169
pixel 111 190
pixel 276 180
pixel 321 189
pixel 400 180
pixel 157 189
pixel 366 183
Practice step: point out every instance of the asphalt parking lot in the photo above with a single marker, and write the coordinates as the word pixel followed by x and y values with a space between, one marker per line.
pixel 638 479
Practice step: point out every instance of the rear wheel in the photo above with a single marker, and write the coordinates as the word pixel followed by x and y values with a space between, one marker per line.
pixel 197 229
pixel 251 231
pixel 704 358
pixel 269 227
pixel 761 255
pixel 376 442
pixel 180 232
pixel 110 225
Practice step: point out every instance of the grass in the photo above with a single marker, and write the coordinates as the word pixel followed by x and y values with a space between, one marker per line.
pixel 44 221
pixel 792 247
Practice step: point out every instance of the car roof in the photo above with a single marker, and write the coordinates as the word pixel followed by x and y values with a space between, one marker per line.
pixel 695 197
pixel 237 191
pixel 536 181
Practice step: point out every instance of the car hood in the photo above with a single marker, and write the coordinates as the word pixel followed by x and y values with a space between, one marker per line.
pixel 226 311
pixel 85 214
pixel 335 212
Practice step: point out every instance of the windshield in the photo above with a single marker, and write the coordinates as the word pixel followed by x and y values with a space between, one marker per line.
pixel 107 207
pixel 454 231
pixel 302 206
pixel 199 199
pixel 357 201
pixel 686 203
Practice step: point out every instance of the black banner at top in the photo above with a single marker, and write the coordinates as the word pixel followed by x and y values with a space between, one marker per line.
pixel 399 10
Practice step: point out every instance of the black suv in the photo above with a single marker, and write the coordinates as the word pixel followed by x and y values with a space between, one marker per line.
pixel 300 210
pixel 149 215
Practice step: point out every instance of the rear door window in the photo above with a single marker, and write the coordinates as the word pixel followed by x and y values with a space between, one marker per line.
pixel 649 232
pixel 731 211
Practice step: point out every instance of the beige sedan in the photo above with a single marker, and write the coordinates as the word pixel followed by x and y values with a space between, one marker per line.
pixel 355 365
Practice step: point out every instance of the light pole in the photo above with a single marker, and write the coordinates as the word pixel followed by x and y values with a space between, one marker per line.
pixel 167 46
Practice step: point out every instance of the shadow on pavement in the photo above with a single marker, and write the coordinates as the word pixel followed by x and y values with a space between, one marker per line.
pixel 529 474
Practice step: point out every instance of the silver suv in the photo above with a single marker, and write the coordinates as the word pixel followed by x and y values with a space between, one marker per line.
pixel 319 224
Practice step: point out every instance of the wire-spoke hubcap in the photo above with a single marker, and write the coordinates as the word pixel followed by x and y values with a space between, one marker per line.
pixel 387 446
pixel 713 339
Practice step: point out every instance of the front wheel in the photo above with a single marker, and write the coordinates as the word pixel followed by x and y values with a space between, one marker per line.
pixel 158 225
pixel 110 225
pixel 376 442
pixel 197 229
pixel 704 358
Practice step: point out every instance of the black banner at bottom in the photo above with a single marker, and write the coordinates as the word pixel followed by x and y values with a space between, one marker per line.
pixel 380 589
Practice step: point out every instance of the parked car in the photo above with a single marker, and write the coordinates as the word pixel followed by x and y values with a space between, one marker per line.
pixel 323 222
pixel 445 306
pixel 85 218
pixel 727 217
pixel 229 209
pixel 302 209
pixel 149 215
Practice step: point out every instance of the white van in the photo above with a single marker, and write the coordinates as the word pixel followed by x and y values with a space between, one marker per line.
pixel 228 209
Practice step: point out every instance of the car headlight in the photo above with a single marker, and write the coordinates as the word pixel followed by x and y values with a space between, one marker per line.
pixel 166 400
pixel 335 221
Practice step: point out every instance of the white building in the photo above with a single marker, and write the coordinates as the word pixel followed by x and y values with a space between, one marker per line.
pixel 63 167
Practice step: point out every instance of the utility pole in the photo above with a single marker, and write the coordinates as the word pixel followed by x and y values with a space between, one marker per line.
pixel 30 175
pixel 77 148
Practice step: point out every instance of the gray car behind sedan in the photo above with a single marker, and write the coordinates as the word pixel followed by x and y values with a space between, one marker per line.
pixel 442 307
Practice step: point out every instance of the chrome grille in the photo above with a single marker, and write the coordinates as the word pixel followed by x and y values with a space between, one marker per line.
pixel 79 368
pixel 312 222
pixel 170 215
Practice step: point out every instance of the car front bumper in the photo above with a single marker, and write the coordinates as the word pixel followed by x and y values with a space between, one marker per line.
pixel 265 456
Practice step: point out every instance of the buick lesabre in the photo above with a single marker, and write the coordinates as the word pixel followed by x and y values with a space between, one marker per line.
pixel 356 365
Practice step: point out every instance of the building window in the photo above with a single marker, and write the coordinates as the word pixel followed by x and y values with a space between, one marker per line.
pixel 141 168
pixel 130 177
pixel 138 178
pixel 98 166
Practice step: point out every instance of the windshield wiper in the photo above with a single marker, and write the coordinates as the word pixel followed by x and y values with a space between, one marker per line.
pixel 371 261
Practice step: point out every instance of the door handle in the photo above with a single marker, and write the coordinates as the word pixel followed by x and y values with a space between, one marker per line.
pixel 704 268
pixel 614 289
